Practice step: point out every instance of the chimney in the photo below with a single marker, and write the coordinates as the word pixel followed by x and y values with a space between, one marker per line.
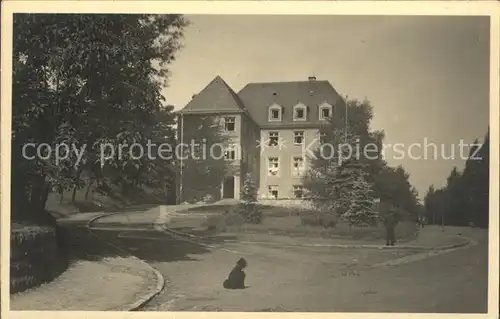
pixel 312 78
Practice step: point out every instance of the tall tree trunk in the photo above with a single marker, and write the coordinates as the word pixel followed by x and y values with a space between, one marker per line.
pixel 45 194
pixel 73 195
pixel 89 186
pixel 75 187
pixel 40 190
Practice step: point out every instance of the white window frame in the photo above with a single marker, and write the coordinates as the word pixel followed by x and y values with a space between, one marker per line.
pixel 303 108
pixel 232 121
pixel 235 149
pixel 301 170
pixel 323 107
pixel 273 170
pixel 270 189
pixel 280 112
pixel 298 188
pixel 228 151
pixel 276 134
pixel 320 136
pixel 295 134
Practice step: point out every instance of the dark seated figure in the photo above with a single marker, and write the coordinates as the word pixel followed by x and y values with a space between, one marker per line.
pixel 236 279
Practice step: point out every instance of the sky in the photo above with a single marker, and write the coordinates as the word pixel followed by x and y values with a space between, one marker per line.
pixel 426 77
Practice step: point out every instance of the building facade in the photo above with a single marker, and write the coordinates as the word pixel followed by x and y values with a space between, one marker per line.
pixel 272 127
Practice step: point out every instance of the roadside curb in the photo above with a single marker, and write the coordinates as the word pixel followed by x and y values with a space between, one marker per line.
pixel 426 254
pixel 145 297
pixel 161 225
pixel 466 242
pixel 346 246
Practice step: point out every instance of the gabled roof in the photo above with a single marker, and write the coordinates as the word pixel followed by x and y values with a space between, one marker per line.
pixel 217 96
pixel 258 97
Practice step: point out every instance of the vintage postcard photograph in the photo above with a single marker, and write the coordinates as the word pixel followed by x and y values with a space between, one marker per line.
pixel 204 157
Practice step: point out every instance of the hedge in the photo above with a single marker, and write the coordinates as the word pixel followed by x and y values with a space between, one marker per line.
pixel 35 257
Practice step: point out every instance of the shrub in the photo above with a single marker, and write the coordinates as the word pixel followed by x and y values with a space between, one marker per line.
pixel 319 219
pixel 209 199
pixel 249 191
pixel 230 218
pixel 310 220
pixel 36 256
pixel 328 220
pixel 216 223
pixel 234 220
pixel 252 213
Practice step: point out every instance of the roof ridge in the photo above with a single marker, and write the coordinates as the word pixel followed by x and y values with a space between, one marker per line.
pixel 232 92
pixel 257 97
pixel 217 82
pixel 286 82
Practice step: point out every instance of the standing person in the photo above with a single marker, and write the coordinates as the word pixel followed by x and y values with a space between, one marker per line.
pixel 390 222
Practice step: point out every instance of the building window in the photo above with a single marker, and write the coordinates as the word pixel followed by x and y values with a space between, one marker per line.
pixel 229 124
pixel 273 138
pixel 298 137
pixel 273 166
pixel 325 111
pixel 275 113
pixel 297 166
pixel 298 191
pixel 273 191
pixel 230 155
pixel 300 113
pixel 322 138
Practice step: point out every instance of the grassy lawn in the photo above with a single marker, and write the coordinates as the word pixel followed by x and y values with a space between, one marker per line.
pixel 63 206
pixel 290 222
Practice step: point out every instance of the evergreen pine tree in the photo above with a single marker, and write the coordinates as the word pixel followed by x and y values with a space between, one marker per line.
pixel 361 209
pixel 248 196
pixel 481 198
pixel 249 191
pixel 469 180
pixel 465 197
pixel 456 200
pixel 337 183
pixel 429 199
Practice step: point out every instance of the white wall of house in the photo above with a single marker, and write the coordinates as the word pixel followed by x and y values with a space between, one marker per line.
pixel 285 180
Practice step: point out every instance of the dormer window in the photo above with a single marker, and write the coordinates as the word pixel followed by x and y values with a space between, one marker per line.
pixel 275 113
pixel 299 112
pixel 325 111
